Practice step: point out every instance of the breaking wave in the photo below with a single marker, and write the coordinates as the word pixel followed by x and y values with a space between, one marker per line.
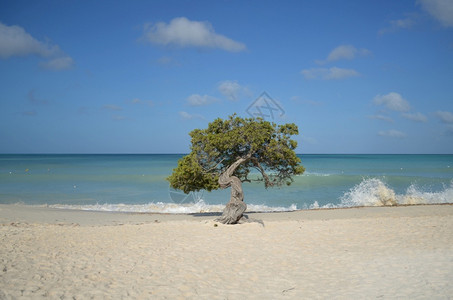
pixel 170 208
pixel 374 192
pixel 369 192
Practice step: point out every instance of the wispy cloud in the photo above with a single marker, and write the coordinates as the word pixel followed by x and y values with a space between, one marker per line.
pixel 137 101
pixel 441 10
pixel 183 32
pixel 232 90
pixel 118 118
pixel 333 73
pixel 15 41
pixel 392 133
pixel 112 107
pixel 29 113
pixel 403 23
pixel 168 61
pixel 396 25
pixel 59 63
pixel 445 116
pixel 382 118
pixel 200 100
pixel 347 52
pixel 33 99
pixel 187 116
pixel 392 101
pixel 416 117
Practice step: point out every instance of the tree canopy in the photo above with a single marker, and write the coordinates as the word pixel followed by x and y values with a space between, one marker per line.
pixel 260 145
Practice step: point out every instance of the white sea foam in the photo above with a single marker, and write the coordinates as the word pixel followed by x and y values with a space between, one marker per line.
pixel 369 192
pixel 316 205
pixel 414 195
pixel 305 174
pixel 170 208
pixel 374 192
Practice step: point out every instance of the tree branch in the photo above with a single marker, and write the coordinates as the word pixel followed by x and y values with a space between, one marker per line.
pixel 267 181
pixel 225 177
pixel 207 171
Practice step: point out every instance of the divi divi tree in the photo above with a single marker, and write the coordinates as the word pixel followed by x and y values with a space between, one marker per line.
pixel 224 154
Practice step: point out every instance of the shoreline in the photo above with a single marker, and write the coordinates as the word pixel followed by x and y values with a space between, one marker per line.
pixel 21 213
pixel 403 252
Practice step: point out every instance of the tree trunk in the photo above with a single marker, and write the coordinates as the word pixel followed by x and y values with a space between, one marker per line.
pixel 235 208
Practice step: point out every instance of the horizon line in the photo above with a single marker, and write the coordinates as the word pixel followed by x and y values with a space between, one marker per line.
pixel 186 153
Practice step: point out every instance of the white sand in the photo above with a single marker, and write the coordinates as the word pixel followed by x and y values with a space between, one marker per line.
pixel 362 253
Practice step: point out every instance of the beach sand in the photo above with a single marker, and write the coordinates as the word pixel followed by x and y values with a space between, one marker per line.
pixel 357 253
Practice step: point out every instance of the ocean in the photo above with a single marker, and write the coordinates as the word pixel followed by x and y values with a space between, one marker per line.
pixel 136 183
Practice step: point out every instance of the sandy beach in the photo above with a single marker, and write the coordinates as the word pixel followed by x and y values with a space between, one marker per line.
pixel 368 253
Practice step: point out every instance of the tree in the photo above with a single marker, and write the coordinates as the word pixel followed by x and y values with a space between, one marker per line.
pixel 223 155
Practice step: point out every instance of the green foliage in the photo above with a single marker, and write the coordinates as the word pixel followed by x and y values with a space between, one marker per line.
pixel 268 148
pixel 190 176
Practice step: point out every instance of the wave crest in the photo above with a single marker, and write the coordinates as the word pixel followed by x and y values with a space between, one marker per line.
pixel 170 208
pixel 369 192
pixel 374 192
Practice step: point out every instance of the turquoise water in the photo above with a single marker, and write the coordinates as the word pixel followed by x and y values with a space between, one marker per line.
pixel 137 183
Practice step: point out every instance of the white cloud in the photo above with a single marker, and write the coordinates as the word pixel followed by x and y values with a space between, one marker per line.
pixel 15 41
pixel 313 73
pixel 200 100
pixel 59 63
pixel 442 10
pixel 187 116
pixel 417 117
pixel 333 73
pixel 231 89
pixel 445 116
pixel 382 118
pixel 338 73
pixel 183 32
pixel 396 25
pixel 392 101
pixel 344 52
pixel 403 23
pixel 392 133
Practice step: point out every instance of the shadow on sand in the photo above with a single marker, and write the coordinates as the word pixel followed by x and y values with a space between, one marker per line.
pixel 244 219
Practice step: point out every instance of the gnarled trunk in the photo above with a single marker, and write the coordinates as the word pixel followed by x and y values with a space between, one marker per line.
pixel 233 211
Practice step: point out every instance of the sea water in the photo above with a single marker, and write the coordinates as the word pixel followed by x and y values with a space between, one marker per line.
pixel 137 183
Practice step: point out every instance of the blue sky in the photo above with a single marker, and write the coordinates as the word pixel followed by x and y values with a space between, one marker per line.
pixel 138 76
